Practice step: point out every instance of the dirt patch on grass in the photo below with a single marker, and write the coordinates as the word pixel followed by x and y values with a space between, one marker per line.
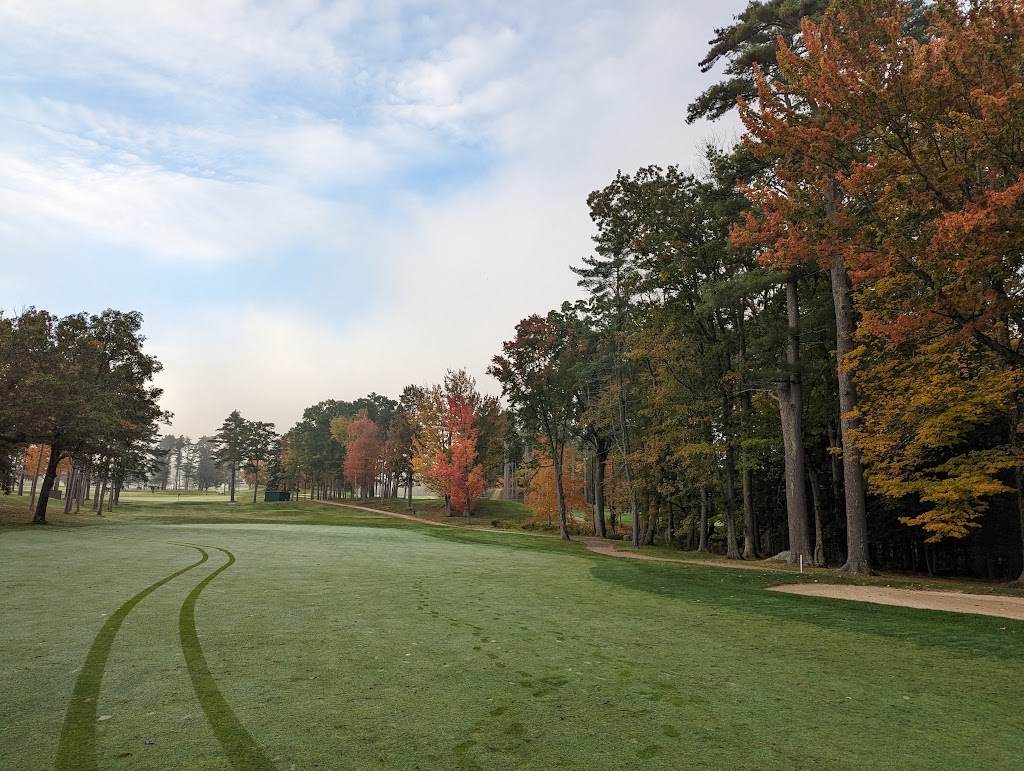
pixel 954 602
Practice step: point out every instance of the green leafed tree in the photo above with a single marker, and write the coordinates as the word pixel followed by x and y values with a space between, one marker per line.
pixel 230 441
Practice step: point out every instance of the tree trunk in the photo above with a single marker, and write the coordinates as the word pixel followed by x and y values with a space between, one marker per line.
pixel 600 461
pixel 83 487
pixel 232 488
pixel 557 456
pixel 732 549
pixel 834 456
pixel 35 477
pixel 671 524
pixel 857 560
pixel 72 488
pixel 101 496
pixel 751 548
pixel 650 520
pixel 1018 477
pixel 44 492
pixel 702 545
pixel 791 407
pixel 626 451
pixel 819 537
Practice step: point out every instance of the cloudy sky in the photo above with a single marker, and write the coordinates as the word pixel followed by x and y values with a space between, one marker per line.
pixel 311 199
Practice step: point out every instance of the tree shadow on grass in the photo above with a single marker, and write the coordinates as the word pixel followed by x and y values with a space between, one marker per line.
pixel 744 592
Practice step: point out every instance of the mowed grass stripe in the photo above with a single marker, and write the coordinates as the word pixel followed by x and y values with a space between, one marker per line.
pixel 77 748
pixel 239 746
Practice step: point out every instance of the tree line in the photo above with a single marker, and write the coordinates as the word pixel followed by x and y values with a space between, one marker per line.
pixel 811 347
pixel 446 436
pixel 815 341
pixel 77 389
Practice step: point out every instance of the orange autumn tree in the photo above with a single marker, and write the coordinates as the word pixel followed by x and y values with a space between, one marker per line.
pixel 363 451
pixel 457 469
pixel 900 161
pixel 445 456
pixel 934 429
pixel 542 495
pixel 35 459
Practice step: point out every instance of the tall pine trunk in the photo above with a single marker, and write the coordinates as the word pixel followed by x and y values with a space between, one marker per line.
pixel 1018 477
pixel 83 488
pixel 819 531
pixel 557 456
pixel 732 549
pixel 100 496
pixel 600 462
pixel 751 546
pixel 702 544
pixel 791 408
pixel 857 560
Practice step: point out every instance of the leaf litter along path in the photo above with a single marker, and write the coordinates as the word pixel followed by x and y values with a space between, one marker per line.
pixel 953 602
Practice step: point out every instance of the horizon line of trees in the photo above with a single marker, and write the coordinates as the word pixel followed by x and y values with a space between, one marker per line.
pixel 446 436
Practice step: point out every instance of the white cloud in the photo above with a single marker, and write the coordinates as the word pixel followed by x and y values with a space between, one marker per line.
pixel 153 44
pixel 162 214
pixel 470 78
pixel 315 139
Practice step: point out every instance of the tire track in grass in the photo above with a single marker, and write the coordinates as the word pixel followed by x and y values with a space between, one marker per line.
pixel 77 748
pixel 241 749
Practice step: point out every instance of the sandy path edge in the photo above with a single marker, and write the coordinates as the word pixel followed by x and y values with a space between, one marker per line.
pixel 953 602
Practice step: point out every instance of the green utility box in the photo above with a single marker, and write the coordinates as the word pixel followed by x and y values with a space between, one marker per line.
pixel 276 495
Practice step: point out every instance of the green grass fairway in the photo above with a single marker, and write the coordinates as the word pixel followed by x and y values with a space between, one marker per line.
pixel 203 635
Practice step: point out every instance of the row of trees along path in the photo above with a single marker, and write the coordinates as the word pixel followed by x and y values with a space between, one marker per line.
pixel 830 312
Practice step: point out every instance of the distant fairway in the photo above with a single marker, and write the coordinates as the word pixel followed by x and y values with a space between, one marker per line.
pixel 367 642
